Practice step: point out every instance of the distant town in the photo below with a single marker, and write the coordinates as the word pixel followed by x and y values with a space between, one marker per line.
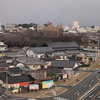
pixel 75 28
pixel 36 57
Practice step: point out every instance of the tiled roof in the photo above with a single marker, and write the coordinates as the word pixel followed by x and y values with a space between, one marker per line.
pixel 63 63
pixel 3 64
pixel 15 69
pixel 17 79
pixel 54 70
pixel 41 49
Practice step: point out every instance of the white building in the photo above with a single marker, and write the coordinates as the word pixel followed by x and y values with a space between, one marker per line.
pixel 75 24
pixel 65 28
pixel 9 26
pixel 81 30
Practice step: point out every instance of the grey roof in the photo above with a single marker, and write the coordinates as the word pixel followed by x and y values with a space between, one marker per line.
pixel 61 44
pixel 63 63
pixel 24 59
pixel 3 64
pixel 41 49
pixel 18 79
pixel 46 59
pixel 3 75
pixel 26 68
pixel 13 53
pixel 35 63
pixel 14 48
pixel 90 49
pixel 6 58
pixel 15 69
pixel 60 54
pixel 54 70
pixel 25 48
pixel 72 52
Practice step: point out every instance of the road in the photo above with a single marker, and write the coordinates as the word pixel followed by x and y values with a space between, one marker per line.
pixel 94 94
pixel 73 92
pixel 78 90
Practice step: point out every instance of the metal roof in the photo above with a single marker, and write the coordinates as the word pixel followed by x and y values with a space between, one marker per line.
pixel 61 44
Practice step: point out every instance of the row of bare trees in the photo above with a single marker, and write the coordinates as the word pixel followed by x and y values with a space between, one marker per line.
pixel 32 39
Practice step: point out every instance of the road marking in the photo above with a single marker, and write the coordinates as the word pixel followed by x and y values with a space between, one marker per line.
pixel 64 84
pixel 76 92
pixel 85 86
pixel 89 85
pixel 95 95
pixel 88 91
pixel 59 98
pixel 92 80
pixel 91 95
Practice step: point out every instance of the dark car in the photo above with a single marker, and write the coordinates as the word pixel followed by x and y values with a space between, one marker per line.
pixel 98 71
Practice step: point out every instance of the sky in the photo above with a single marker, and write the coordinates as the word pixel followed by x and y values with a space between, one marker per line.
pixel 86 12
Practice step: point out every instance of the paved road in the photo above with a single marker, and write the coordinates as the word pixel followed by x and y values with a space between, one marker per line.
pixel 94 94
pixel 78 90
pixel 73 92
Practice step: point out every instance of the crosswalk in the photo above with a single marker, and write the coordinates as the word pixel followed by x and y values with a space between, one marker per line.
pixel 59 98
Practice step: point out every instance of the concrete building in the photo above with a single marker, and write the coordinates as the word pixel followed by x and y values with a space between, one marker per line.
pixel 95 27
pixel 75 24
pixel 82 58
pixel 81 30
pixel 65 28
pixel 40 27
pixel 51 31
pixel 9 26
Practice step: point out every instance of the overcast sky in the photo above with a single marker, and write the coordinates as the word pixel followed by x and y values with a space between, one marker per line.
pixel 86 12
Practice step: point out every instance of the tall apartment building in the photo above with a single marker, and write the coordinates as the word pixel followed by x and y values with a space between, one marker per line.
pixel 75 24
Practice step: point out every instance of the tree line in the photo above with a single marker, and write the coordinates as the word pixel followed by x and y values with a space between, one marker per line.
pixel 33 39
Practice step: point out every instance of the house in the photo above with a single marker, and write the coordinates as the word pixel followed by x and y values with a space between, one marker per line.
pixel 55 73
pixel 68 67
pixel 38 52
pixel 3 47
pixel 17 83
pixel 61 54
pixel 49 60
pixel 35 64
pixel 82 59
pixel 6 59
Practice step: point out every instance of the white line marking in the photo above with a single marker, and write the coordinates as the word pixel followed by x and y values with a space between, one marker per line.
pixel 85 86
pixel 92 80
pixel 76 92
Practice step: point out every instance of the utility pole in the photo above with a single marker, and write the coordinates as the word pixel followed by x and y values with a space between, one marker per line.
pixel 6 83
